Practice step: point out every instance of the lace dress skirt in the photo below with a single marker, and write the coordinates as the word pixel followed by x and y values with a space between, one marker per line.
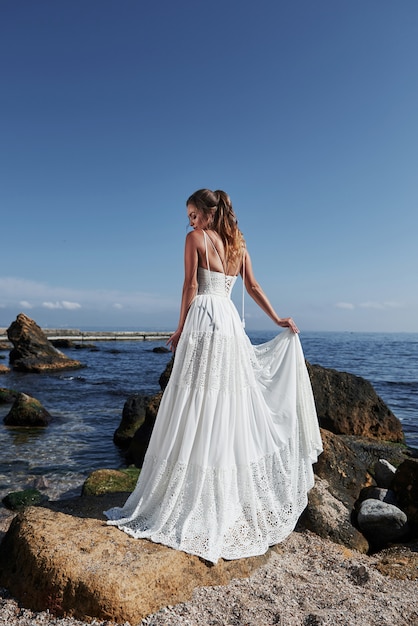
pixel 229 463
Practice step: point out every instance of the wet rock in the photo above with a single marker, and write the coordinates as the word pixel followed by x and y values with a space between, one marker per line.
pixel 32 352
pixel 138 446
pixel 133 416
pixel 348 404
pixel 28 412
pixel 19 500
pixel 381 523
pixel 7 396
pixel 4 369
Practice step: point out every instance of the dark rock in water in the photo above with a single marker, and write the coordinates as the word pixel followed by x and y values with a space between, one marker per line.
pixel 32 352
pixel 7 396
pixel 165 376
pixel 348 404
pixel 19 500
pixel 160 350
pixel 27 411
pixel 381 523
pixel 405 485
pixel 139 443
pixel 133 416
pixel 62 343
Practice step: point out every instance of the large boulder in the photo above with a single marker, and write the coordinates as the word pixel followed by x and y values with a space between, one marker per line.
pixel 330 518
pixel 345 473
pixel 28 412
pixel 65 559
pixel 348 404
pixel 32 352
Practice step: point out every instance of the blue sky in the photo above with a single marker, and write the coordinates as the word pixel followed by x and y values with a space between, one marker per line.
pixel 114 111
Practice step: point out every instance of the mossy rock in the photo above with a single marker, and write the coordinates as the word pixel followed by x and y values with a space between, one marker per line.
pixel 110 481
pixel 19 500
pixel 7 396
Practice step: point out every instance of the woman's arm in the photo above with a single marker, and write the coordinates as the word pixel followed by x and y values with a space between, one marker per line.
pixel 191 260
pixel 258 295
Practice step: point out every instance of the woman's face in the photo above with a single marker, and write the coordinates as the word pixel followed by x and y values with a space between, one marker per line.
pixel 197 218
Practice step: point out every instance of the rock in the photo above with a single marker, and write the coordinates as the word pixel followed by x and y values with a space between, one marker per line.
pixel 161 350
pixel 344 472
pixel 381 523
pixel 399 562
pixel 328 517
pixel 110 481
pixel 27 411
pixel 139 443
pixel 65 559
pixel 4 369
pixel 376 493
pixel 32 352
pixel 7 396
pixel 405 485
pixel 165 376
pixel 5 345
pixel 133 416
pixel 384 473
pixel 348 404
pixel 19 500
pixel 62 343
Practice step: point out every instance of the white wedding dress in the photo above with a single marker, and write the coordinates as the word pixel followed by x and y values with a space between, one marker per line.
pixel 229 463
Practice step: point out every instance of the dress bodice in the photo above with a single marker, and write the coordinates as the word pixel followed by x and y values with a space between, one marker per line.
pixel 214 283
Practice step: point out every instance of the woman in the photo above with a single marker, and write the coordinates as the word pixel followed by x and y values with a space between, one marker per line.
pixel 229 463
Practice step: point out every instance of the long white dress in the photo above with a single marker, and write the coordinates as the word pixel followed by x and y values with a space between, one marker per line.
pixel 229 463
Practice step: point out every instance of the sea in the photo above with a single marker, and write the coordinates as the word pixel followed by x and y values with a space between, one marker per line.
pixel 87 404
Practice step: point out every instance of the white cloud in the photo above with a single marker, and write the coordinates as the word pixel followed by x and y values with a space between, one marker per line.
pixel 70 306
pixel 18 292
pixel 25 304
pixel 344 305
pixel 381 305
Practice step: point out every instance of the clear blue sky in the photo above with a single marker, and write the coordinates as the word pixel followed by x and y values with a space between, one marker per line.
pixel 114 111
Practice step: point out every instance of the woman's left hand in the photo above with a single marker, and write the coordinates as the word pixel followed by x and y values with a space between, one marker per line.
pixel 287 322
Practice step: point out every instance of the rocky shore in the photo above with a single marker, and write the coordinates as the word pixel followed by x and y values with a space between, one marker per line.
pixel 353 559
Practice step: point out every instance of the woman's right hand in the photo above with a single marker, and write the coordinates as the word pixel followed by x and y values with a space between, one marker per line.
pixel 174 339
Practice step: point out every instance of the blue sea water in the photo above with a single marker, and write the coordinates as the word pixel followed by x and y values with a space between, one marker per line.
pixel 87 404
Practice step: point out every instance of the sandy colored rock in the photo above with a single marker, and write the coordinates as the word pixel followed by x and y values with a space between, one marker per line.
pixel 32 352
pixel 72 563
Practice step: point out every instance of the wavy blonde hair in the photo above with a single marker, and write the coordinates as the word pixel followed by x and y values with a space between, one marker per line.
pixel 217 207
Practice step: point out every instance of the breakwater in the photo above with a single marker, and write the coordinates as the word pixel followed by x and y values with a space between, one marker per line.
pixel 102 335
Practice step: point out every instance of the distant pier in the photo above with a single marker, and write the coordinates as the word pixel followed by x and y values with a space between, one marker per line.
pixel 100 335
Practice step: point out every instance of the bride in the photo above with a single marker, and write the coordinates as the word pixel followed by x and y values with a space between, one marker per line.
pixel 229 463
